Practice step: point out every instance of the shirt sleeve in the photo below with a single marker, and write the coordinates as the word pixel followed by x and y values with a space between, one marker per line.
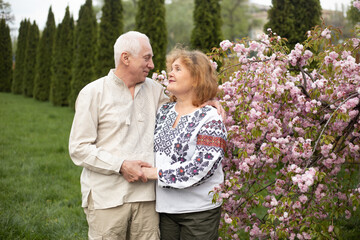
pixel 82 142
pixel 207 157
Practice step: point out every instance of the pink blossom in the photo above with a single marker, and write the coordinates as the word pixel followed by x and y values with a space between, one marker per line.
pixel 356 41
pixel 303 199
pixel 345 54
pixel 227 218
pixel 214 64
pixel 306 235
pixel 225 45
pixel 239 48
pixel 292 236
pixel 273 202
pixel 255 231
pixel 296 205
pixel 356 4
pixel 333 55
pixel 325 149
pixel 299 236
pixel 326 33
pixel 347 214
pixel 328 60
pixel 244 167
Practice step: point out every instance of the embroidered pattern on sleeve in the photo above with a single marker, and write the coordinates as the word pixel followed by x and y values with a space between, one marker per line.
pixel 211 142
pixel 212 138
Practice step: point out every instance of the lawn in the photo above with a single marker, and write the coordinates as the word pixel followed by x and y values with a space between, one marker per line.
pixel 40 187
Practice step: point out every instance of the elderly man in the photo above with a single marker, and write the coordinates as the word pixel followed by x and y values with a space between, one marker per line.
pixel 112 138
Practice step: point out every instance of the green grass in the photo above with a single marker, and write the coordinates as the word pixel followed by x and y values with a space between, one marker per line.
pixel 40 186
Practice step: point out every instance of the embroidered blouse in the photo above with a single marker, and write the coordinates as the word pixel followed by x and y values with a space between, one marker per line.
pixel 188 158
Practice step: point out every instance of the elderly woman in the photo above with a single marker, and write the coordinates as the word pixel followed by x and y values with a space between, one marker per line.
pixel 189 145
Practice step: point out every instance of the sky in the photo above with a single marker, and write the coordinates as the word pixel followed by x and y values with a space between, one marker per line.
pixel 38 9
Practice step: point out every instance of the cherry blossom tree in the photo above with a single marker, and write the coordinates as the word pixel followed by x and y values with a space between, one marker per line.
pixel 293 121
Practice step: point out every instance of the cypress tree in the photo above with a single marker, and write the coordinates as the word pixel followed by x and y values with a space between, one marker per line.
pixel 293 18
pixel 111 27
pixel 5 57
pixel 84 54
pixel 44 60
pixel 206 33
pixel 308 15
pixel 17 83
pixel 150 20
pixel 281 18
pixel 62 61
pixel 30 60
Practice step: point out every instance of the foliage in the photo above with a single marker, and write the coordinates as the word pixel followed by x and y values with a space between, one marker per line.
pixel 291 19
pixel 281 18
pixel 235 15
pixel 39 183
pixel 44 60
pixel 353 13
pixel 150 20
pixel 32 41
pixel 179 22
pixel 62 61
pixel 5 57
pixel 207 25
pixel 293 122
pixel 129 14
pixel 111 27
pixel 5 11
pixel 18 76
pixel 84 51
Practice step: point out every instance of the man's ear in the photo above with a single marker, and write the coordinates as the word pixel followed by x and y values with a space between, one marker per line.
pixel 125 58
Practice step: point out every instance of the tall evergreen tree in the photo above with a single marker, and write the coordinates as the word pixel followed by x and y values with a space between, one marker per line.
pixel 17 83
pixel 308 15
pixel 179 22
pixel 293 18
pixel 281 18
pixel 206 33
pixel 62 61
pixel 111 26
pixel 150 20
pixel 5 57
pixel 44 60
pixel 84 54
pixel 30 60
pixel 235 15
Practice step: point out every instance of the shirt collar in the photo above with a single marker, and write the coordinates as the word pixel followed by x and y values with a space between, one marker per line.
pixel 121 83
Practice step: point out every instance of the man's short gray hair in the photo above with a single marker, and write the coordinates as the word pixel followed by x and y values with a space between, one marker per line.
pixel 128 42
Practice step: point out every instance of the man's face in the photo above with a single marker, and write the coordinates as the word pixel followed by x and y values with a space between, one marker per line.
pixel 141 65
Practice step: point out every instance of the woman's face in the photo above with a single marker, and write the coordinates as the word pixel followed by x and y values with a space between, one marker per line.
pixel 180 80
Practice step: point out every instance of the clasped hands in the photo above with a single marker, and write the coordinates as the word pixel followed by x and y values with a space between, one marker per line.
pixel 134 171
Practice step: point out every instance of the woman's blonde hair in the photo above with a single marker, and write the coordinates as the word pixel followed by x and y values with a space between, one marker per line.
pixel 204 76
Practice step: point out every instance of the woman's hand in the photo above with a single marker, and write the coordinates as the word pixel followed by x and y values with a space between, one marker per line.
pixel 150 173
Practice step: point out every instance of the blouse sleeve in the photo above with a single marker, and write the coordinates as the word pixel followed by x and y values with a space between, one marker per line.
pixel 207 157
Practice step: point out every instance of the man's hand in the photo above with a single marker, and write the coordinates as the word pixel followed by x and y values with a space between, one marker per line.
pixel 131 170
pixel 217 105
